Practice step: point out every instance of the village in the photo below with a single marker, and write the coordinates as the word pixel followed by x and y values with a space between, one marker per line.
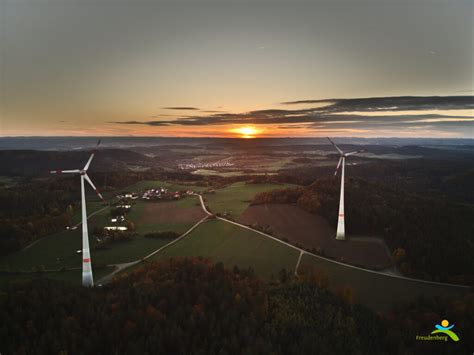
pixel 226 162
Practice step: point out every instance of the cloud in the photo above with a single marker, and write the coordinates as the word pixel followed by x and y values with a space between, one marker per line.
pixel 395 103
pixel 341 113
pixel 184 108
pixel 150 123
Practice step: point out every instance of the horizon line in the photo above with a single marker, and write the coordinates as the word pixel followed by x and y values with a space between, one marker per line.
pixel 217 137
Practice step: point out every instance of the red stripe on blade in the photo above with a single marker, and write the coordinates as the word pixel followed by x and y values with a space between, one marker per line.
pixel 86 260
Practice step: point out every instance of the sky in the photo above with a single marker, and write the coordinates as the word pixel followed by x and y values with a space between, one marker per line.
pixel 367 68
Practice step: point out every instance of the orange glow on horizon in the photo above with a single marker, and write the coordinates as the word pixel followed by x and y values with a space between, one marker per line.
pixel 246 131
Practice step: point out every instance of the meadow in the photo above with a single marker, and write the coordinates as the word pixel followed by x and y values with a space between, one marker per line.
pixel 234 199
pixel 233 245
pixel 377 291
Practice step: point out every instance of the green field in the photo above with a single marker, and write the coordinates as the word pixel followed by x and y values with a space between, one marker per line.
pixel 138 209
pixel 233 245
pixel 234 199
pixel 59 250
pixel 376 291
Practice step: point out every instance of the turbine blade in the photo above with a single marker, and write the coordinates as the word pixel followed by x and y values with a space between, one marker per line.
pixel 93 186
pixel 335 146
pixel 91 157
pixel 64 171
pixel 352 153
pixel 89 161
pixel 338 165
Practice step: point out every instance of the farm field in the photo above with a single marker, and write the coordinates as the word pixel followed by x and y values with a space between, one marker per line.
pixel 374 290
pixel 177 216
pixel 171 212
pixel 233 245
pixel 53 251
pixel 59 250
pixel 234 199
pixel 312 231
pixel 261 162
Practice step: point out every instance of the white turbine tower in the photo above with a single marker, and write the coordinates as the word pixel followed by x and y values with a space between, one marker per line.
pixel 341 229
pixel 87 278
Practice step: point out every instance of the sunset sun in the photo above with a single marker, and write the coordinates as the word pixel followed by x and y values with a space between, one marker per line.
pixel 246 131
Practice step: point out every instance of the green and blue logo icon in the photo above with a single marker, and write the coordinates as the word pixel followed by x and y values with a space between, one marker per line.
pixel 442 333
pixel 445 328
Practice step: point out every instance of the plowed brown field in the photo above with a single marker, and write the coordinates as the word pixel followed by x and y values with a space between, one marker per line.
pixel 311 231
pixel 169 212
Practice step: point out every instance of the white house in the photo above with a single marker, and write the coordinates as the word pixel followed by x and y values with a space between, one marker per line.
pixel 115 228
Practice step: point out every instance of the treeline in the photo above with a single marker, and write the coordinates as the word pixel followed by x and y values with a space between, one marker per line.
pixel 431 239
pixel 34 209
pixel 451 180
pixel 191 306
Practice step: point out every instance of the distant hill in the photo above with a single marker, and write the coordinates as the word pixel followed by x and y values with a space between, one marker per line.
pixel 35 162
pixel 80 143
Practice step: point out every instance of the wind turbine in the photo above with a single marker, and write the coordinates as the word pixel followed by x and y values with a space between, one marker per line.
pixel 341 229
pixel 87 278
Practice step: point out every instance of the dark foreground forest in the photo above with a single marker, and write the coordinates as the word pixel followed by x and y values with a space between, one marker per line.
pixel 192 306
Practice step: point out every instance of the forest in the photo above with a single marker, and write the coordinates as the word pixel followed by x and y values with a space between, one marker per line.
pixel 447 179
pixel 430 238
pixel 193 306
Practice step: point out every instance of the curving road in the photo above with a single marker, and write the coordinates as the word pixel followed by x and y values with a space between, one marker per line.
pixel 302 252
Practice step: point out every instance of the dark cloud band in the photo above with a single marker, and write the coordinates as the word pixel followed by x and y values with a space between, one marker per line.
pixel 343 113
pixel 183 108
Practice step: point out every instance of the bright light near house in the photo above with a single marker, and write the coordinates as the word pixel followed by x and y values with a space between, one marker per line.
pixel 246 131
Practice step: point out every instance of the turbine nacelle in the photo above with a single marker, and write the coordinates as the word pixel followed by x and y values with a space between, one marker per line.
pixel 82 172
pixel 342 155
